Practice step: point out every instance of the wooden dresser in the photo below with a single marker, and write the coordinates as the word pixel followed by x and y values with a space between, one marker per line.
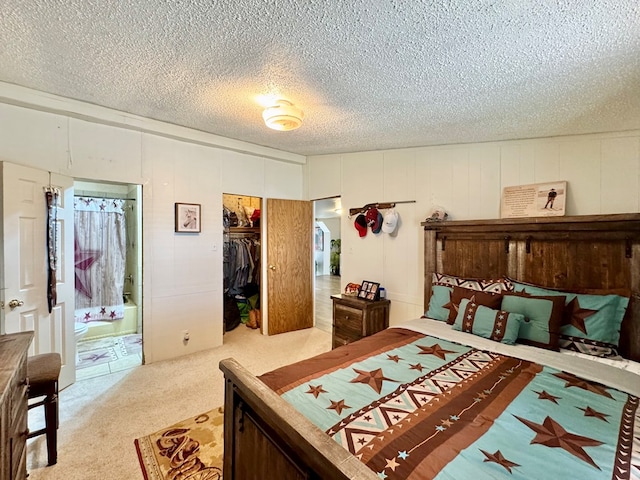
pixel 13 405
pixel 354 318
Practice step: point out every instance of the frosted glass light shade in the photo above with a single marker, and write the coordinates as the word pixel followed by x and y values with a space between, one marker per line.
pixel 283 116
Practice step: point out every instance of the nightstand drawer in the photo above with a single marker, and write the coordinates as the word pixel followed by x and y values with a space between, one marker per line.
pixel 355 318
pixel 18 441
pixel 348 335
pixel 339 341
pixel 348 319
pixel 17 402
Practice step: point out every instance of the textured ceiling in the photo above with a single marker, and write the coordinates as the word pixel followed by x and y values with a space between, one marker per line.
pixel 369 74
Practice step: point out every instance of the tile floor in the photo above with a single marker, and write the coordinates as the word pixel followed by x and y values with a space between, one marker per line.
pixel 108 355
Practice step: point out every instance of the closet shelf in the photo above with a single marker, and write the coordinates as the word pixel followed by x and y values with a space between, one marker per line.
pixel 243 230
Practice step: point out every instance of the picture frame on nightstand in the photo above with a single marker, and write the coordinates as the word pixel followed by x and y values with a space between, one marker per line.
pixel 369 290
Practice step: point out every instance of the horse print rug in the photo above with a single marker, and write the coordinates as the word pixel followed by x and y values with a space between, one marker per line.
pixel 189 450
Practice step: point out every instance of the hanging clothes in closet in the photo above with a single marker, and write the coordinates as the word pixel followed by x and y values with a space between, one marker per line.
pixel 241 274
pixel 241 257
pixel 241 262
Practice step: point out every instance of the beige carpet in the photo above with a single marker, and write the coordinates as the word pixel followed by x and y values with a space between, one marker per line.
pixel 101 417
pixel 192 448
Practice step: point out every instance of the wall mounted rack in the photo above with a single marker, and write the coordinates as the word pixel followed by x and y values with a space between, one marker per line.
pixel 378 205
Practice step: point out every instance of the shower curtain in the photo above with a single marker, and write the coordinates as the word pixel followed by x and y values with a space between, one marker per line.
pixel 100 249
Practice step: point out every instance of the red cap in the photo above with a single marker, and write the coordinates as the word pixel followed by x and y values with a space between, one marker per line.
pixel 373 219
pixel 361 225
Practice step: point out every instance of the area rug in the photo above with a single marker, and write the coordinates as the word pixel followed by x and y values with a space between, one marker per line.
pixel 191 449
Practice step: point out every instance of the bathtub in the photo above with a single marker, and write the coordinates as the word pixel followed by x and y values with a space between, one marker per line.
pixel 123 326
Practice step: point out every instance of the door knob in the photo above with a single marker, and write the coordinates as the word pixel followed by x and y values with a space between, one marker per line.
pixel 15 303
pixel 272 267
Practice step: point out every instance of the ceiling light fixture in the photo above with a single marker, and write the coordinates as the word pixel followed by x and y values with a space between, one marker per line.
pixel 283 116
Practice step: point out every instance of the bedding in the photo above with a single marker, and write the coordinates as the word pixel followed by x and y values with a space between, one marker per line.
pixel 425 401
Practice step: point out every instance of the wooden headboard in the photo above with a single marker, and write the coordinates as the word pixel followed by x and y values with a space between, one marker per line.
pixel 581 252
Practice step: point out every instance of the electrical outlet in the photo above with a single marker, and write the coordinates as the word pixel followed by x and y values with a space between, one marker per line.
pixel 185 336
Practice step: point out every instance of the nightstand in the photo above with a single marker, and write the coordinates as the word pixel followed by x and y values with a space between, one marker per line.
pixel 354 318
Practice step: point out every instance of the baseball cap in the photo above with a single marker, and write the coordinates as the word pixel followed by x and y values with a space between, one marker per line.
pixel 372 219
pixel 438 214
pixel 378 225
pixel 390 221
pixel 361 225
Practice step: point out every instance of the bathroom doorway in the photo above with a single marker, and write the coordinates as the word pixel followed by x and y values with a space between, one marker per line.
pixel 327 256
pixel 108 269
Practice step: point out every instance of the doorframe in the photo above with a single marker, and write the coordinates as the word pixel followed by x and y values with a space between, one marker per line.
pixel 321 207
pixel 138 237
pixel 261 201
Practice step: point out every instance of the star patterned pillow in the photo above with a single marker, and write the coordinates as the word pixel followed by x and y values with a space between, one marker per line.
pixel 486 322
pixel 442 288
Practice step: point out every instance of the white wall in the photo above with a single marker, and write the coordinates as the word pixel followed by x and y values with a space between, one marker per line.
pixel 602 171
pixel 182 273
pixel 333 224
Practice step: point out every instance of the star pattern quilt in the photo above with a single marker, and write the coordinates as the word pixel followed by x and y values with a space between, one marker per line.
pixel 411 405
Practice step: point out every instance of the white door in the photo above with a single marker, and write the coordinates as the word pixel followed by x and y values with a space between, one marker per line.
pixel 25 259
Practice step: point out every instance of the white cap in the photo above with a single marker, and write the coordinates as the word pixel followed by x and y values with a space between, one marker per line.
pixel 390 221
pixel 438 214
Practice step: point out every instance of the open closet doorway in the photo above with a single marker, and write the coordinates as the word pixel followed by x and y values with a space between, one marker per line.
pixel 327 214
pixel 241 262
pixel 108 277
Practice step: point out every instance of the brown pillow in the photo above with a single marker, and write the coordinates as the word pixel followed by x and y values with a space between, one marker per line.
pixel 491 300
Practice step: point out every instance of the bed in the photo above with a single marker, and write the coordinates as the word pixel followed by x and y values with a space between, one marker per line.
pixel 430 399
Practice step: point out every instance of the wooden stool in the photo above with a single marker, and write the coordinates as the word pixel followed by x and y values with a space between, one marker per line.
pixel 43 371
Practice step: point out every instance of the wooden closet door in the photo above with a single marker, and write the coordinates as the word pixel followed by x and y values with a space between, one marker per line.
pixel 289 231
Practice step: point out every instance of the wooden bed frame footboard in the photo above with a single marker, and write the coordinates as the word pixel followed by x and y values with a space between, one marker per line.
pixel 265 437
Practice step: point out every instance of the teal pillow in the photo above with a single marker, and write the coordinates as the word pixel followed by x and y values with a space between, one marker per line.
pixel 442 288
pixel 543 317
pixel 591 322
pixel 440 296
pixel 485 322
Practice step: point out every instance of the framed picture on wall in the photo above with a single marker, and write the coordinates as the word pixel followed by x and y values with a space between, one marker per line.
pixel 534 200
pixel 369 290
pixel 319 240
pixel 187 218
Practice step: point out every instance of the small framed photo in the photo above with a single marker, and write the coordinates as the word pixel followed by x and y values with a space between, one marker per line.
pixel 369 290
pixel 187 217
pixel 319 239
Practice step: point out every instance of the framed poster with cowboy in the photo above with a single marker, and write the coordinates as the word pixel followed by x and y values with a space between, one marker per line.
pixel 535 200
